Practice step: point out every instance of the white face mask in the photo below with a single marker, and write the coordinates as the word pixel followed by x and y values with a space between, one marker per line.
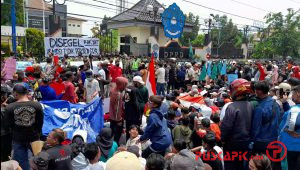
pixel 89 79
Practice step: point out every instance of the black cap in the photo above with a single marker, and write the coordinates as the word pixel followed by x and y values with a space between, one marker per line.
pixel 20 88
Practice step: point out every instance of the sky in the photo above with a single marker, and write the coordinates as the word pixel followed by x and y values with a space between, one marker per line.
pixel 256 9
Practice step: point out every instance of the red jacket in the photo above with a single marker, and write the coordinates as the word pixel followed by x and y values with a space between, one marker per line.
pixel 262 75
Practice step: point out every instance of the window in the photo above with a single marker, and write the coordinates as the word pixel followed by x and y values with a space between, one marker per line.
pixel 69 24
pixel 78 25
pixel 73 25
pixel 135 39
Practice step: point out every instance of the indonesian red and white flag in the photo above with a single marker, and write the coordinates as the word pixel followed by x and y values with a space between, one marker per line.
pixel 150 82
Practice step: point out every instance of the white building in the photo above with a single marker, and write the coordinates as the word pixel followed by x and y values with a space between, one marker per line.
pixel 74 26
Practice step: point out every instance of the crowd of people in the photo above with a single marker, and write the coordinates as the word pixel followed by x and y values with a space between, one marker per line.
pixel 162 131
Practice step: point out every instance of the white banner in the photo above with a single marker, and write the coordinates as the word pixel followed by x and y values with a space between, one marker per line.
pixel 71 46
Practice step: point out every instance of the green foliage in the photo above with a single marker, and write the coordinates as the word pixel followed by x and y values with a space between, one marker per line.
pixel 6 13
pixel 226 33
pixel 282 35
pixel 199 41
pixel 105 41
pixel 188 37
pixel 35 42
pixel 5 48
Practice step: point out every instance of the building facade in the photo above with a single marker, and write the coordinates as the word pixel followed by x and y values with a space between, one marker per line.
pixel 136 27
pixel 74 26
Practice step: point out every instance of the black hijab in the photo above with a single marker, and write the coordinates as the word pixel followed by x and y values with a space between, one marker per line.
pixel 105 141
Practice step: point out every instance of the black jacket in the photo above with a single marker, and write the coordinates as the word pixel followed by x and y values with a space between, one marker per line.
pixel 236 124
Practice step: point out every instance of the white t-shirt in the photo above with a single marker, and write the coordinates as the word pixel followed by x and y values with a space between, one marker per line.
pixel 189 74
pixel 102 74
pixel 91 87
pixel 160 74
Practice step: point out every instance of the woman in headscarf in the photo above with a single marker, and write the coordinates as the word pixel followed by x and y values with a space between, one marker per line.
pixel 106 144
pixel 132 116
pixel 116 107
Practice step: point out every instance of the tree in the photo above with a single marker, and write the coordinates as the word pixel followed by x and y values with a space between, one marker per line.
pixel 225 33
pixel 35 42
pixel 105 37
pixel 188 37
pixel 199 41
pixel 6 13
pixel 281 36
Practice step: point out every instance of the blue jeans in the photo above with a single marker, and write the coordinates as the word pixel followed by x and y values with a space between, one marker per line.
pixel 160 89
pixel 20 154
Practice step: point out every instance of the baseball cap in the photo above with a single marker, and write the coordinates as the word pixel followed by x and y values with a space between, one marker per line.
pixel 123 161
pixel 138 79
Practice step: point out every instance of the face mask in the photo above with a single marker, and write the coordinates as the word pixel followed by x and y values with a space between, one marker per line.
pixel 89 79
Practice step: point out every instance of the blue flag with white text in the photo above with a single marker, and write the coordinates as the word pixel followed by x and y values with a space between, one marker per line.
pixel 72 117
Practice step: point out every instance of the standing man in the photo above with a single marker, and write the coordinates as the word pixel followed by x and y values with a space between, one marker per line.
pixel 160 75
pixel 25 118
pixel 290 131
pixel 141 95
pixel 265 118
pixel 91 87
pixel 236 124
pixel 70 90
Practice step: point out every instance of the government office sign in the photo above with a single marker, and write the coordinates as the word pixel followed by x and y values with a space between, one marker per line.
pixel 71 46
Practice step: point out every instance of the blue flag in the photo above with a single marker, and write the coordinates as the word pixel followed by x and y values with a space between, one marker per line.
pixel 231 78
pixel 71 117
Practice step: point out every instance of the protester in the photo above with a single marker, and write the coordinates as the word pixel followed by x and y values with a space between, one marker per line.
pixel 70 90
pixel 5 130
pixel 236 124
pixel 182 132
pixel 123 161
pixel 91 87
pixel 47 92
pixel 141 95
pixel 135 150
pixel 93 154
pixel 156 130
pixel 106 144
pixel 161 79
pixel 116 107
pixel 260 164
pixel 182 158
pixel 289 131
pixel 25 118
pixel 134 137
pixel 57 156
pixel 155 162
pixel 266 115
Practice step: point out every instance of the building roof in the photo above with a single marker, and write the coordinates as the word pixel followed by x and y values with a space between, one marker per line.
pixel 138 13
pixel 38 4
pixel 74 18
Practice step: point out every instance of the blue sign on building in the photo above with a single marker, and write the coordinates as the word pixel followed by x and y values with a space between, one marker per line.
pixel 173 20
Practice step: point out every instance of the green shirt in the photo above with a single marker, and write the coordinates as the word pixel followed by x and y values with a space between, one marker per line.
pixel 113 149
